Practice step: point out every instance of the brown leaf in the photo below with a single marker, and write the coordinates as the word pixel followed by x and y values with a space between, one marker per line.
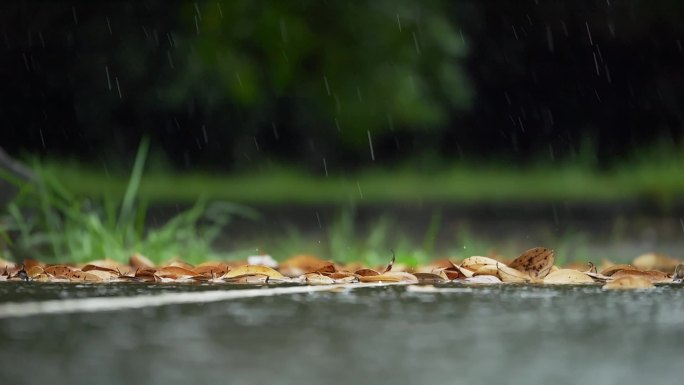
pixel 58 270
pixel 105 275
pixel 476 262
pixel 567 277
pixel 610 270
pixel 366 273
pixel 183 264
pixel 655 261
pixel 390 276
pixel 174 272
pixel 629 282
pixel 34 271
pixel 391 263
pixel 305 263
pixel 91 267
pixel 318 279
pixel 510 275
pixel 140 261
pixel 536 262
pixel 431 278
pixel 29 263
pixel 209 271
pixel 82 276
pixel 653 275
pixel 253 270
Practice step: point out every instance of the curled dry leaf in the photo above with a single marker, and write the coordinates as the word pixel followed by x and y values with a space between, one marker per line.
pixel 629 282
pixel 209 271
pixel 183 264
pixel 510 275
pixel 536 262
pixel 391 262
pixel 29 263
pixel 105 275
pixel 140 261
pixel 476 262
pixel 253 270
pixel 567 277
pixel 610 270
pixel 492 270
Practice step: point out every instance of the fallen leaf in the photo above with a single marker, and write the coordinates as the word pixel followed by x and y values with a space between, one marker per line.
pixel 610 270
pixel 174 272
pixel 536 262
pixel 366 272
pixel 318 279
pixel 29 263
pixel 476 262
pixel 431 278
pixel 210 271
pixel 510 275
pixel 678 273
pixel 34 271
pixel 629 282
pixel 140 261
pixel 82 276
pixel 655 261
pixel 105 275
pixel 483 279
pixel 391 263
pixel 57 270
pixel 567 277
pixel 305 263
pixel 183 264
pixel 390 276
pixel 654 276
pixel 253 270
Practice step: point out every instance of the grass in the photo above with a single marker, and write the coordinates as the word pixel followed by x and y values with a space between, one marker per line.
pixel 48 222
pixel 653 176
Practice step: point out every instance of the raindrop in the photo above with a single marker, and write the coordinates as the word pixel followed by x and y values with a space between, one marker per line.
pixel 197 10
pixel 318 218
pixel 549 38
pixel 515 33
pixel 218 5
pixel 415 41
pixel 327 86
pixel 118 87
pixel 398 22
pixel 596 65
pixel 337 124
pixel 109 25
pixel 591 41
pixel 256 144
pixel 358 185
pixel 679 45
pixel 237 75
pixel 109 80
pixel 196 24
pixel 325 167
pixel 42 139
pixel 73 11
pixel 370 144
pixel 275 131
pixel 358 93
pixel 204 133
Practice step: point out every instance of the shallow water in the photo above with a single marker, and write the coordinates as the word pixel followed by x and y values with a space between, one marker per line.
pixel 488 335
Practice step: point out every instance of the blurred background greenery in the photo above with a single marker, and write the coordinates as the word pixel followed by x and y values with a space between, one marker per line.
pixel 351 109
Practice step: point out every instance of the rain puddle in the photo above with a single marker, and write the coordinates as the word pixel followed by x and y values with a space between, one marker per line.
pixel 390 334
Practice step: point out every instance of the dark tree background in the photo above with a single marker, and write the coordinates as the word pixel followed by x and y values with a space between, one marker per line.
pixel 216 83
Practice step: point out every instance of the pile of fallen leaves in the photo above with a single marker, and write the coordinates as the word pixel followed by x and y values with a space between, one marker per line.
pixel 535 266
